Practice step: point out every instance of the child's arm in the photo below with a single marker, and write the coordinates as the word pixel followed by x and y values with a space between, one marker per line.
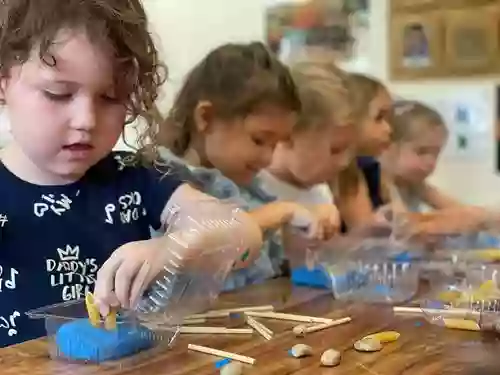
pixel 435 198
pixel 126 274
pixel 321 221
pixel 354 205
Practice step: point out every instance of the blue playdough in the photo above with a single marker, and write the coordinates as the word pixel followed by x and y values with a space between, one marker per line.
pixel 79 340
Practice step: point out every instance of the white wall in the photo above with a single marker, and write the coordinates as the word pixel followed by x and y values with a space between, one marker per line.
pixel 472 179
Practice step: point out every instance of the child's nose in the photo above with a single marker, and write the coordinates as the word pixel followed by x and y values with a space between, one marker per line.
pixel 266 157
pixel 84 116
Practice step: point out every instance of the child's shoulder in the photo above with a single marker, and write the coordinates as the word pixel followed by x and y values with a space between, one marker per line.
pixel 124 167
pixel 209 180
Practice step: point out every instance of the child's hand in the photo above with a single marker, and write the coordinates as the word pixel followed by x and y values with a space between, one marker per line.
pixel 123 278
pixel 328 218
pixel 456 220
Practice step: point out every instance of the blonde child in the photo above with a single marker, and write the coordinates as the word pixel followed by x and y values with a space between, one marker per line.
pixel 418 137
pixel 233 109
pixel 419 134
pixel 321 144
pixel 72 73
pixel 361 188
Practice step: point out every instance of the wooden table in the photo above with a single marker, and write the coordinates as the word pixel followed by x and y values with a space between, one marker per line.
pixel 422 349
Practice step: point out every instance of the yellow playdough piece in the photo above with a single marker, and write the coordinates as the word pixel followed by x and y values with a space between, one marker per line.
pixel 383 337
pixel 464 324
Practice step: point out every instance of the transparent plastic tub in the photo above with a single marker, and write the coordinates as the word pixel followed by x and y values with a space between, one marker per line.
pixel 450 254
pixel 471 291
pixel 373 271
pixel 96 345
pixel 191 283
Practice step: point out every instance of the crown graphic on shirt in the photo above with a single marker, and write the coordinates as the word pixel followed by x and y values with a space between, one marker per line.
pixel 71 253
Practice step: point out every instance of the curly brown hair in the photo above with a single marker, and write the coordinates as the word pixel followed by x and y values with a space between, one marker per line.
pixel 237 79
pixel 28 26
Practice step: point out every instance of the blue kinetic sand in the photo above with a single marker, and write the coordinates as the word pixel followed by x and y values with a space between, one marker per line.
pixel 316 278
pixel 79 340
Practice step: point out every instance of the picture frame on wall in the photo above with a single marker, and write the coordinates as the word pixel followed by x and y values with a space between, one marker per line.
pixel 471 40
pixel 411 5
pixel 415 45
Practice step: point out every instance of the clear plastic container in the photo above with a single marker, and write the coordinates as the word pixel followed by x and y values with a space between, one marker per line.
pixel 374 271
pixel 470 291
pixel 98 346
pixel 191 283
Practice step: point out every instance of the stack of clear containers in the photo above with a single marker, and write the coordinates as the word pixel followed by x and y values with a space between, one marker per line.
pixel 189 283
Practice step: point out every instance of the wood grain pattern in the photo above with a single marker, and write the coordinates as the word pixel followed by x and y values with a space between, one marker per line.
pixel 422 349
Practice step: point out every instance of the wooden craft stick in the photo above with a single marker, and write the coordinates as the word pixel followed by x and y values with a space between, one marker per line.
pixel 215 330
pixel 223 354
pixel 264 331
pixel 226 312
pixel 302 329
pixel 194 321
pixel 291 317
pixel 449 312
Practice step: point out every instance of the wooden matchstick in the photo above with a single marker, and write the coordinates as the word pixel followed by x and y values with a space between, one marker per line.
pixel 301 330
pixel 194 321
pixel 226 312
pixel 221 353
pixel 260 328
pixel 291 317
pixel 215 330
pixel 423 310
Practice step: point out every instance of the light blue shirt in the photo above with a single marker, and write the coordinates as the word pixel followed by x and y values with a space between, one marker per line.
pixel 214 183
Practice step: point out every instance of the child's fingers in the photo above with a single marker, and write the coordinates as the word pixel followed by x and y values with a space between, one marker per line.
pixel 141 281
pixel 105 284
pixel 123 280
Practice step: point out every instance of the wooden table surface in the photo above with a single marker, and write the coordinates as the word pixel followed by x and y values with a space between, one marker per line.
pixel 422 349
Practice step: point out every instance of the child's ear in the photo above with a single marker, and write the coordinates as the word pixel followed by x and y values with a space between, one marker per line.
pixel 203 115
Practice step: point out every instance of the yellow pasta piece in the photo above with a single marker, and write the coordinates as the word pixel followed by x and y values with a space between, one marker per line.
pixel 92 311
pixel 487 254
pixel 488 286
pixel 383 337
pixel 464 324
pixel 450 296
pixel 110 320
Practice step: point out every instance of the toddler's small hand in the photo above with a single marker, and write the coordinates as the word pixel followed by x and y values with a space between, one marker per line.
pixel 328 217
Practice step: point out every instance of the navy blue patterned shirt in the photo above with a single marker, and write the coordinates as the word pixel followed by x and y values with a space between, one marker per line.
pixel 53 239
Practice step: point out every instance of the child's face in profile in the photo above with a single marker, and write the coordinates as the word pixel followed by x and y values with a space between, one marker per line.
pixel 64 118
pixel 240 148
pixel 317 156
pixel 415 160
pixel 375 133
